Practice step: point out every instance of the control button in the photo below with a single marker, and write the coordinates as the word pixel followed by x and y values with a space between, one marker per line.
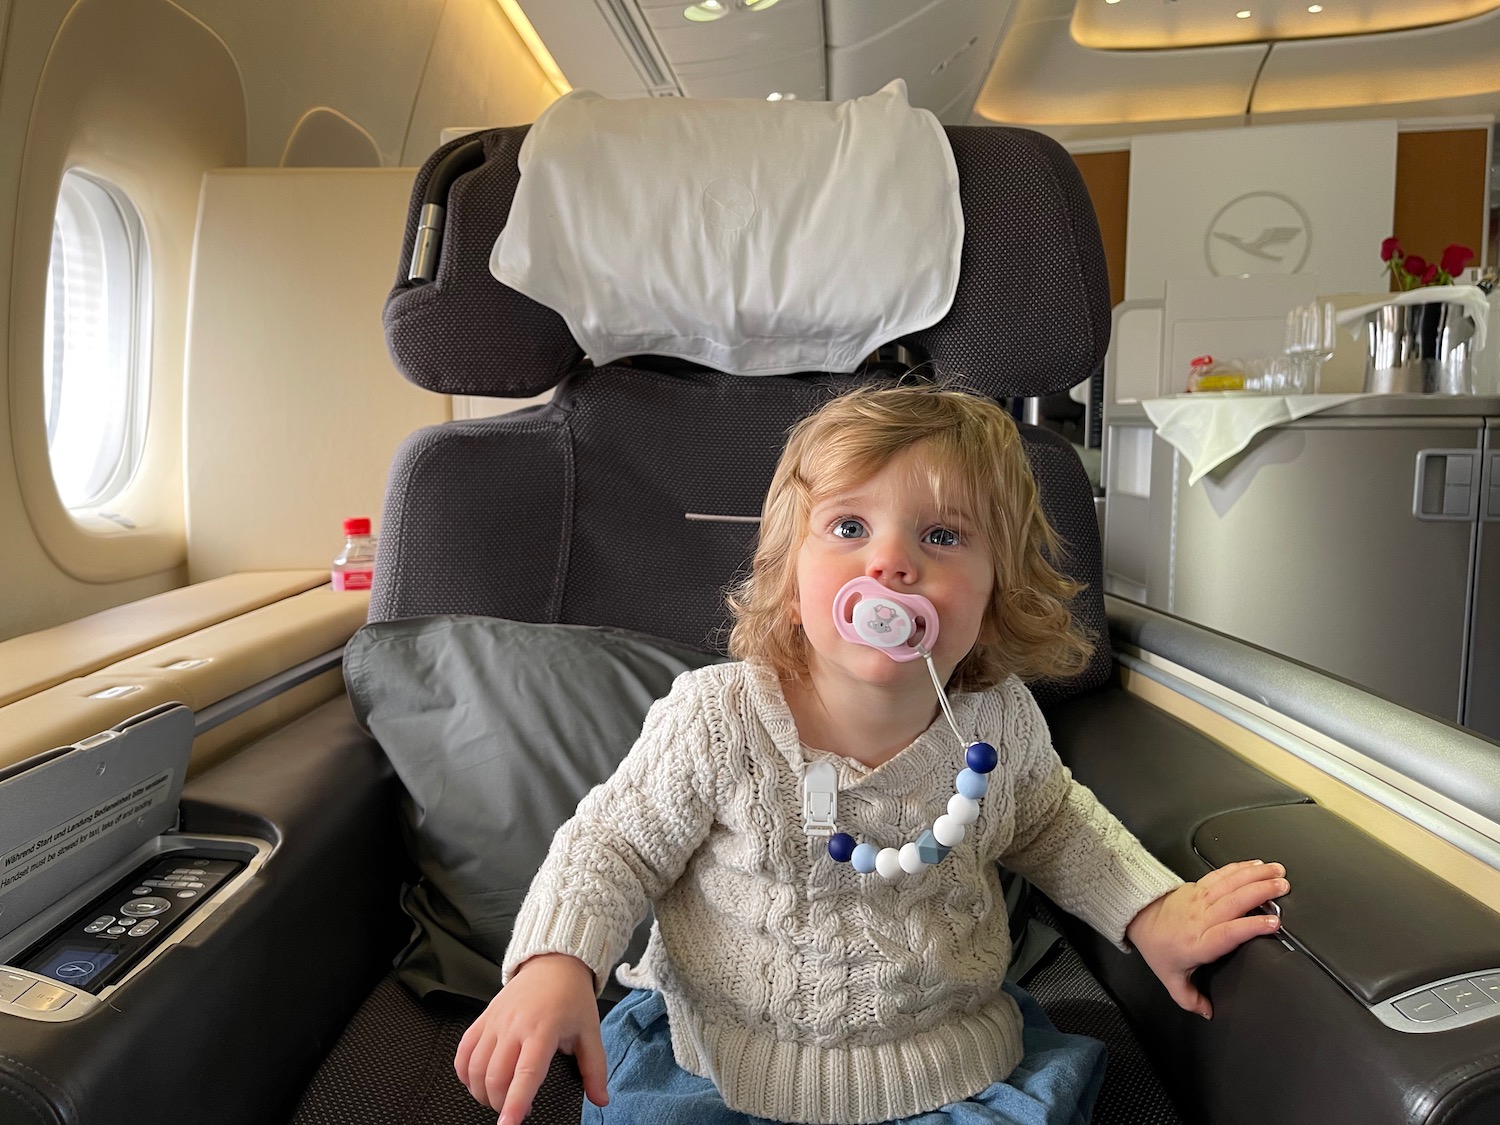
pixel 145 907
pixel 99 923
pixel 1489 984
pixel 140 929
pixel 72 970
pixel 141 891
pixel 1463 996
pixel 12 985
pixel 115 931
pixel 197 886
pixel 200 863
pixel 1424 1007
pixel 157 883
pixel 187 894
pixel 45 998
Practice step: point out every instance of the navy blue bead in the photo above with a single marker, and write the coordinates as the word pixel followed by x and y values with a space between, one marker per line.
pixel 840 846
pixel 981 757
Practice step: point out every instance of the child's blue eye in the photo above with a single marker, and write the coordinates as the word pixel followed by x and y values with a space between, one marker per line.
pixel 848 529
pixel 941 537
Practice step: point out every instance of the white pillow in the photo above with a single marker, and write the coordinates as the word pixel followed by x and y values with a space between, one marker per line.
pixel 754 237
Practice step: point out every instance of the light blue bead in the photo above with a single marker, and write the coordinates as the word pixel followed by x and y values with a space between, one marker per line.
pixel 929 850
pixel 863 859
pixel 972 785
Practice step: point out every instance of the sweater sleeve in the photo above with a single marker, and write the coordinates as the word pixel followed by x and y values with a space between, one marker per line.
pixel 1065 841
pixel 626 844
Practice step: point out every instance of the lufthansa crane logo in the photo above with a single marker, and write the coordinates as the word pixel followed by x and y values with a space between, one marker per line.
pixel 1258 232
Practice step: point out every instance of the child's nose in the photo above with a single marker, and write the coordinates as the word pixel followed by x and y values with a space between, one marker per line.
pixel 891 562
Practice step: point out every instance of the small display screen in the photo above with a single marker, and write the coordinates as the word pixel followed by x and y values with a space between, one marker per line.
pixel 75 965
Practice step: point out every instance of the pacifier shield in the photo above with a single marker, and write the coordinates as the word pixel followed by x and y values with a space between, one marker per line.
pixel 867 613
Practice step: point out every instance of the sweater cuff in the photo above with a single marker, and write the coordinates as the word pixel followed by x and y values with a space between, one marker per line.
pixel 1122 890
pixel 560 929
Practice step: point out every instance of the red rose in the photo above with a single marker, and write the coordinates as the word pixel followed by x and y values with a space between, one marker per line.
pixel 1390 248
pixel 1414 265
pixel 1455 258
pixel 1430 274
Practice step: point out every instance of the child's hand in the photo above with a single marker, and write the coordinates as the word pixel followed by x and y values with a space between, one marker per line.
pixel 547 1006
pixel 1200 922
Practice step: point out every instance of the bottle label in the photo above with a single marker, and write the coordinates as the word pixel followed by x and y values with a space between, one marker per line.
pixel 353 579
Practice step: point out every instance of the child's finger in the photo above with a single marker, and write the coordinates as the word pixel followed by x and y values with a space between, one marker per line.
pixel 1242 900
pixel 1227 936
pixel 589 1052
pixel 1237 874
pixel 465 1050
pixel 536 1057
pixel 495 1080
pixel 1189 998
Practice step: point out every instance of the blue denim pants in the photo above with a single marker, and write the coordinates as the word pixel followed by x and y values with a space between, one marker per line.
pixel 1056 1083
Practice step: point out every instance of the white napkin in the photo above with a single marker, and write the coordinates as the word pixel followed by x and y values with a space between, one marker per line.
pixel 1471 297
pixel 758 238
pixel 1209 429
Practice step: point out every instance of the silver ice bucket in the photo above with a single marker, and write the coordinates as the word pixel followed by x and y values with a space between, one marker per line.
pixel 1425 348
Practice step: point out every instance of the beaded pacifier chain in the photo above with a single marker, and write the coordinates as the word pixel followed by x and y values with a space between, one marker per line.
pixel 887 620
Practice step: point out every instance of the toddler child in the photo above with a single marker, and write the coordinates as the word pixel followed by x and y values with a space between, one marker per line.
pixel 829 945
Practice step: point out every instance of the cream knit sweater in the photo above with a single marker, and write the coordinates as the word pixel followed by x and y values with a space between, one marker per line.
pixel 806 991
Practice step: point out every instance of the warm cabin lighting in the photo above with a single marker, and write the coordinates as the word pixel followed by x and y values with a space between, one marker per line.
pixel 757 5
pixel 1111 1
pixel 535 45
pixel 706 12
pixel 1179 25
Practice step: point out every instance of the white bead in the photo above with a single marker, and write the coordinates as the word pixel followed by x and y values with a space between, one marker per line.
pixel 888 863
pixel 911 862
pixel 962 809
pixel 948 831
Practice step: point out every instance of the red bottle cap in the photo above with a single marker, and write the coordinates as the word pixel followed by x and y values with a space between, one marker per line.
pixel 357 525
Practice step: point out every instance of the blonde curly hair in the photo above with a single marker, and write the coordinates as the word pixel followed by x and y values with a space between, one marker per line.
pixel 972 453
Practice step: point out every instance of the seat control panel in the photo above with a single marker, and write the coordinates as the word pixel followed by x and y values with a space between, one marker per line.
pixel 1445 1004
pixel 117 929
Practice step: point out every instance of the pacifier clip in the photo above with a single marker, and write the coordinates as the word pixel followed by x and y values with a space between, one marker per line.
pixel 904 627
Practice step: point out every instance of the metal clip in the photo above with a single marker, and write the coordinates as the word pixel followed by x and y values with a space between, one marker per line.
pixel 820 799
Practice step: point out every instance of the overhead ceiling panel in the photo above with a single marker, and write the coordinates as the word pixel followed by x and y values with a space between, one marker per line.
pixel 598 46
pixel 943 51
pixel 1450 62
pixel 1042 77
pixel 1134 24
pixel 744 54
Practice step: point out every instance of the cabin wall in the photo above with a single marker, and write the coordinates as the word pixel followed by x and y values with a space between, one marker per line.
pixel 1441 196
pixel 152 94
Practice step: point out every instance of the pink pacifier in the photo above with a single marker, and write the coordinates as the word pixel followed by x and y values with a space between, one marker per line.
pixel 884 619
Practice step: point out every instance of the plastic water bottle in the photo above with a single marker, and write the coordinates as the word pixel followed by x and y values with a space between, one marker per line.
pixel 354 569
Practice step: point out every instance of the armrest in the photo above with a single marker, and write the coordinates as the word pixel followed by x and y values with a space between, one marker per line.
pixel 1157 774
pixel 1378 923
pixel 243 1009
pixel 1289 1042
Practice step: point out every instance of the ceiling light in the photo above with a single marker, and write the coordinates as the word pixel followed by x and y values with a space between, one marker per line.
pixel 706 11
pixel 756 5
pixel 1111 1
pixel 1243 14
pixel 1315 8
pixel 773 97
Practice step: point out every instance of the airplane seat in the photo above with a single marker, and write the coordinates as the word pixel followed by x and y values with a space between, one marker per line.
pixel 623 503
pixel 575 511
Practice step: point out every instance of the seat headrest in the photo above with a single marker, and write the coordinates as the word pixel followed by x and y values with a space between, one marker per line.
pixel 1030 315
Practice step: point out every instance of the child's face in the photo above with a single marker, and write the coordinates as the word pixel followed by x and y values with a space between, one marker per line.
pixel 891 528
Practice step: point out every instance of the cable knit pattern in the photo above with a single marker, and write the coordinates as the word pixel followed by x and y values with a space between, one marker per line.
pixel 804 990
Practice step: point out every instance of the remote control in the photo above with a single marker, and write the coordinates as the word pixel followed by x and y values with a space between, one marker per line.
pixel 100 943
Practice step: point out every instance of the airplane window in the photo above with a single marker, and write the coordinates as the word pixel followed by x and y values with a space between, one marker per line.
pixel 98 321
